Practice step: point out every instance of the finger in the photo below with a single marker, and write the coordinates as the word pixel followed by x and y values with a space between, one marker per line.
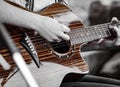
pixel 65 28
pixel 100 40
pixel 64 36
pixel 114 20
pixel 117 31
pixel 49 39
pixel 111 27
pixel 55 38
pixel 36 33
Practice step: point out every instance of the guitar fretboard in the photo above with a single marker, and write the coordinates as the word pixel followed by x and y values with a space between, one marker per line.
pixel 90 33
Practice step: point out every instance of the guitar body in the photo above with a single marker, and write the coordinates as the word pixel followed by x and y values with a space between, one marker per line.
pixel 58 60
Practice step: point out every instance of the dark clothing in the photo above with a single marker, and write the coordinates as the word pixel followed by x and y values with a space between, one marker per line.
pixel 93 81
pixel 98 13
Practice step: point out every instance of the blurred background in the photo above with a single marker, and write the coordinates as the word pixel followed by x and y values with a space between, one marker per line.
pixel 103 61
pixel 88 9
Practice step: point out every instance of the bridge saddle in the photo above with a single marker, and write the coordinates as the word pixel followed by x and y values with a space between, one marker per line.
pixel 28 45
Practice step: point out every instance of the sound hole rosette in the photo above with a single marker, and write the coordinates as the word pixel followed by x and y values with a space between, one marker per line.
pixel 62 49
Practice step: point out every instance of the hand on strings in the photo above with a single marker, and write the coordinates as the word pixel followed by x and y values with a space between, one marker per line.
pixel 52 30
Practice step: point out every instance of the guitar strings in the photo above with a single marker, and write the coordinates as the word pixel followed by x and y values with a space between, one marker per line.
pixel 61 44
pixel 40 40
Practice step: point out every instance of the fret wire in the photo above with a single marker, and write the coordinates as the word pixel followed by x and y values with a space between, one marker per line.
pixel 93 33
pixel 100 31
pixel 87 35
pixel 77 36
pixel 106 27
pixel 90 33
pixel 72 36
pixel 102 25
pixel 96 32
pixel 82 35
pixel 103 29
pixel 106 30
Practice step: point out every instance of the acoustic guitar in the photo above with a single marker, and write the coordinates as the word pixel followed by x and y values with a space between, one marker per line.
pixel 59 61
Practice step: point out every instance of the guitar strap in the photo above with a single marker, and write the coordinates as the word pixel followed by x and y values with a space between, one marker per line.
pixel 59 1
pixel 15 4
pixel 29 4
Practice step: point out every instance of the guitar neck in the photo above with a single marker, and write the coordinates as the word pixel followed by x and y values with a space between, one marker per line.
pixel 90 33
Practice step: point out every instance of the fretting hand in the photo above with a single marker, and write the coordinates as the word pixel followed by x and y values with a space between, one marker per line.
pixel 116 41
pixel 117 29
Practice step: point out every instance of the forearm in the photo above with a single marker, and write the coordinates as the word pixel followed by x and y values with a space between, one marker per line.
pixel 16 16
pixel 46 26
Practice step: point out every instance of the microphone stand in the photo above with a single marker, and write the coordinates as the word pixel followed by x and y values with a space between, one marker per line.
pixel 17 57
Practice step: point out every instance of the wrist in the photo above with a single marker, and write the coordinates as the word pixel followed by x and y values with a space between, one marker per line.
pixel 35 21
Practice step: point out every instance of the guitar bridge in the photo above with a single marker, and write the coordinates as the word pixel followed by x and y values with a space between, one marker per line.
pixel 27 43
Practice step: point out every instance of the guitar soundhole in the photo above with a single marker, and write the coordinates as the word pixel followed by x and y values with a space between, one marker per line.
pixel 61 47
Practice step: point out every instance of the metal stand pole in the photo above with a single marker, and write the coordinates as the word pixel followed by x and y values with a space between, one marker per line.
pixel 17 57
